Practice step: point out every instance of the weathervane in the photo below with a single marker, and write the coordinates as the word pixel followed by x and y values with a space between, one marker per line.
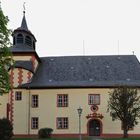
pixel 24 8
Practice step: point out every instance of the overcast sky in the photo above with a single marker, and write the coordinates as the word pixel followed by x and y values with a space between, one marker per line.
pixel 60 26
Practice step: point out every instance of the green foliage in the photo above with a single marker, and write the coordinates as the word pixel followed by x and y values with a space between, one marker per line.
pixel 6 129
pixel 5 63
pixel 5 54
pixel 45 132
pixel 4 32
pixel 123 105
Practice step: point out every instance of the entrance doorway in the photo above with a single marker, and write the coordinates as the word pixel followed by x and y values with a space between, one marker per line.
pixel 94 127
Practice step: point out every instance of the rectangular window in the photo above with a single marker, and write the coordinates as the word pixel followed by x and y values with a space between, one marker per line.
pixel 18 95
pixel 94 99
pixel 34 122
pixel 62 100
pixel 34 101
pixel 62 123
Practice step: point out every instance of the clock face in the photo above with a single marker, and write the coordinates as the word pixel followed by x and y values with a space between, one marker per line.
pixel 94 108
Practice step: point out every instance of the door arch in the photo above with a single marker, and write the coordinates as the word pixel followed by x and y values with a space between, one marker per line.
pixel 94 127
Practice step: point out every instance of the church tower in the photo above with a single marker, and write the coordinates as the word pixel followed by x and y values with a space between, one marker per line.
pixel 23 39
pixel 26 63
pixel 24 54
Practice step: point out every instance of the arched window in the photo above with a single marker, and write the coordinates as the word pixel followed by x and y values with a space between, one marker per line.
pixel 20 38
pixel 28 41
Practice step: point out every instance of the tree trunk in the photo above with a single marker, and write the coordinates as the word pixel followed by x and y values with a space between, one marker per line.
pixel 125 134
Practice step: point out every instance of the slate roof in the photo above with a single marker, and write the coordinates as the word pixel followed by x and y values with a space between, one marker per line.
pixel 22 48
pixel 28 65
pixel 24 23
pixel 86 71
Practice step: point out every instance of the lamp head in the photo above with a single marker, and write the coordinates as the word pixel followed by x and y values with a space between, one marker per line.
pixel 79 110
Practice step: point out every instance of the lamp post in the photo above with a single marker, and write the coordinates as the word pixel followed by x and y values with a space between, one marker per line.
pixel 79 113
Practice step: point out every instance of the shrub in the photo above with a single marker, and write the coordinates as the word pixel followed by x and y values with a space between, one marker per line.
pixel 6 129
pixel 45 132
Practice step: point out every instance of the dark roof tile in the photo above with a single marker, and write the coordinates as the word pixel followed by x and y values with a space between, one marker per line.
pixel 24 23
pixel 28 65
pixel 21 48
pixel 85 71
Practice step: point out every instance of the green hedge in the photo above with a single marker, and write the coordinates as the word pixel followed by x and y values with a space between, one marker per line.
pixel 45 132
pixel 6 129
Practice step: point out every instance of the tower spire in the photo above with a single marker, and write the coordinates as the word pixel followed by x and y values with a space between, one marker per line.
pixel 24 9
pixel 23 39
pixel 24 23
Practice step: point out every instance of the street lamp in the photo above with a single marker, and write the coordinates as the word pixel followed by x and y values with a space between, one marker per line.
pixel 79 113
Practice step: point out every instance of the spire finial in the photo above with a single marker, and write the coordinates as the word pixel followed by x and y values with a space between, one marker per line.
pixel 24 24
pixel 24 8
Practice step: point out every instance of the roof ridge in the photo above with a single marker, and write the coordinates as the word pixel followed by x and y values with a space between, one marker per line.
pixel 86 56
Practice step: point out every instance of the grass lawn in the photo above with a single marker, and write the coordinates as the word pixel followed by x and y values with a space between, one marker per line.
pixel 74 139
pixel 123 139
pixel 50 139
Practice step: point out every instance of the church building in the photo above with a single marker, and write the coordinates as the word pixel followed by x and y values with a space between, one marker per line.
pixel 47 91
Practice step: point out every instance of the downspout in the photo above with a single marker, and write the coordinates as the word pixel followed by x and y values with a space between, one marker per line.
pixel 29 111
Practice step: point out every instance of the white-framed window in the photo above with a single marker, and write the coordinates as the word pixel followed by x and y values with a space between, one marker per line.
pixel 62 100
pixel 18 95
pixel 94 99
pixel 35 101
pixel 34 122
pixel 62 123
